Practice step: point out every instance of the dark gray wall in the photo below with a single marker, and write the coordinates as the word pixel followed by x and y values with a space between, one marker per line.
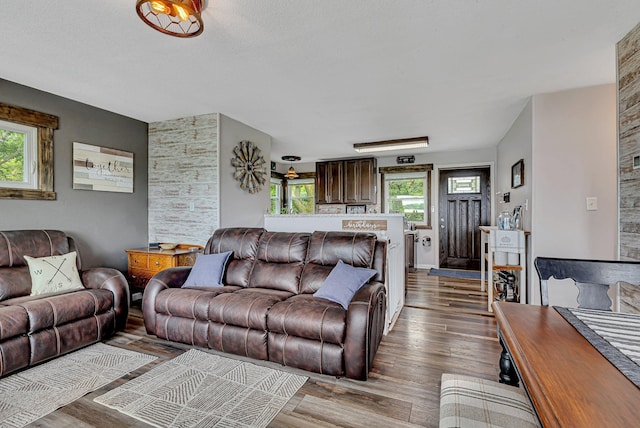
pixel 103 223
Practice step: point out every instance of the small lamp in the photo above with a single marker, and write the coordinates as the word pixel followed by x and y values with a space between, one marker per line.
pixel 291 173
pixel 179 18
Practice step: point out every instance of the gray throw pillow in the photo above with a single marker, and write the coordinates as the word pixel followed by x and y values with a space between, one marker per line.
pixel 343 283
pixel 208 270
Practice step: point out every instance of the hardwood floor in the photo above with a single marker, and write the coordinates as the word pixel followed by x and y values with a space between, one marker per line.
pixel 443 327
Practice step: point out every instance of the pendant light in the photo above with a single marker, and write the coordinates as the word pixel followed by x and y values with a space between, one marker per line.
pixel 291 173
pixel 179 18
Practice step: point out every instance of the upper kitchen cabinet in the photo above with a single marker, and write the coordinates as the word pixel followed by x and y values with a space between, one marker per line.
pixel 360 181
pixel 329 182
pixel 351 181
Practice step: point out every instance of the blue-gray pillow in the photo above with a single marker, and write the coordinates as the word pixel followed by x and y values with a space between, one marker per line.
pixel 343 283
pixel 208 270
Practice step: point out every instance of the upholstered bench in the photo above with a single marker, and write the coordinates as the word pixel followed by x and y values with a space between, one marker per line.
pixel 472 402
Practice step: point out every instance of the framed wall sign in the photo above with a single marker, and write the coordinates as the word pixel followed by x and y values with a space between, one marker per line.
pixel 102 169
pixel 517 174
pixel 364 224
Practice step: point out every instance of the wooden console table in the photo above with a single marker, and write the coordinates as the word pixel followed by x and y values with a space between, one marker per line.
pixel 569 382
pixel 145 262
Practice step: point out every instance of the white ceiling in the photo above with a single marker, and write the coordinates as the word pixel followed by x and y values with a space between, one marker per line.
pixel 319 76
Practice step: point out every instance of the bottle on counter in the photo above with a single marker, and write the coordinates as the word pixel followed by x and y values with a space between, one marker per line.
pixel 504 221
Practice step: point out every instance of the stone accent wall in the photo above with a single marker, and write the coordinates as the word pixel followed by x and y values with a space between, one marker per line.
pixel 628 50
pixel 184 179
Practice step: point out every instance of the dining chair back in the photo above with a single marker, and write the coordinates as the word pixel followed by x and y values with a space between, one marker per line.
pixel 592 278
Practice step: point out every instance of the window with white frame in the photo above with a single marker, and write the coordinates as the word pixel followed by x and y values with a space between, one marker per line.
pixel 301 196
pixel 276 196
pixel 406 193
pixel 18 156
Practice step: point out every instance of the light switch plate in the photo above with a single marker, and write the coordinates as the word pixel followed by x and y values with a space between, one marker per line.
pixel 592 203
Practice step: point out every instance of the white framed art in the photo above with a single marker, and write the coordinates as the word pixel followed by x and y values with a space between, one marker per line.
pixel 102 169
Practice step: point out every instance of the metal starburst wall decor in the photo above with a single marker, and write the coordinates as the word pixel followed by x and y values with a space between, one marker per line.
pixel 250 166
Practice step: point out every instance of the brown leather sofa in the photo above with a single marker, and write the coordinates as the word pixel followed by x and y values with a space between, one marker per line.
pixel 37 328
pixel 266 308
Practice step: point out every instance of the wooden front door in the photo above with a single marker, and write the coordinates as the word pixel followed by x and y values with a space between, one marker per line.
pixel 465 205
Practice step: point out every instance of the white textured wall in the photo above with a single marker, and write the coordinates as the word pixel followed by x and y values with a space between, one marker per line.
pixel 628 62
pixel 183 179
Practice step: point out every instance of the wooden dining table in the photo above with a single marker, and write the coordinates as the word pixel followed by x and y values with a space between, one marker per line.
pixel 569 383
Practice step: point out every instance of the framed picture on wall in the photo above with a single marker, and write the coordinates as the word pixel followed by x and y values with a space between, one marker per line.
pixel 356 209
pixel 517 174
pixel 102 169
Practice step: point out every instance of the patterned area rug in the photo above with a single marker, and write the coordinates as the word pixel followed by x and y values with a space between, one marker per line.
pixel 205 390
pixel 31 394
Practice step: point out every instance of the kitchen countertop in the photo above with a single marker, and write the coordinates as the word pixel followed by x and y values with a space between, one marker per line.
pixel 335 215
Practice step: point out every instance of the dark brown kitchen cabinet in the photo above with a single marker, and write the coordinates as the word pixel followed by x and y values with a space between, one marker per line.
pixel 351 181
pixel 360 181
pixel 329 182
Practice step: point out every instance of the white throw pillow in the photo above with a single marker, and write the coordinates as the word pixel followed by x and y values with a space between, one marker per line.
pixel 53 273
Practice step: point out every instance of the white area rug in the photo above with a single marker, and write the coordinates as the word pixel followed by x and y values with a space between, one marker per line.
pixel 198 389
pixel 31 394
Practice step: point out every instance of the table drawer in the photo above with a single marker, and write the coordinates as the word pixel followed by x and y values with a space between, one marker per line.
pixel 140 261
pixel 159 262
pixel 141 275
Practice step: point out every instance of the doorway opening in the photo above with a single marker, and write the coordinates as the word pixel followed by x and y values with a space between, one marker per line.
pixel 464 206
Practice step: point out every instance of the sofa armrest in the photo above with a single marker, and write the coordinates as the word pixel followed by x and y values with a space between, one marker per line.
pixel 365 327
pixel 114 281
pixel 168 278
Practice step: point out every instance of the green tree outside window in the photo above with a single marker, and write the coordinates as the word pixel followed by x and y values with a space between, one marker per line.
pixel 11 156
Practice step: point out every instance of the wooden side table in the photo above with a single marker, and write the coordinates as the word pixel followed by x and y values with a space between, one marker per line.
pixel 144 263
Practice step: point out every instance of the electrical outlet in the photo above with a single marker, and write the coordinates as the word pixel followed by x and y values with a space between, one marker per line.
pixel 592 203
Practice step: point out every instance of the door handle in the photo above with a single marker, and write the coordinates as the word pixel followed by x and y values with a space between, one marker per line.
pixel 442 226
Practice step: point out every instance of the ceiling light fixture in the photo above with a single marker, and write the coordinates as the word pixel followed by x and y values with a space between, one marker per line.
pixel 291 173
pixel 380 146
pixel 179 18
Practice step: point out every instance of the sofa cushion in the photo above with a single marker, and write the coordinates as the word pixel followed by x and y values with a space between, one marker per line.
pixel 280 261
pixel 326 248
pixel 15 280
pixel 244 244
pixel 308 317
pixel 191 303
pixel 354 248
pixel 16 244
pixel 208 270
pixel 53 273
pixel 246 307
pixel 13 322
pixel 54 311
pixel 343 282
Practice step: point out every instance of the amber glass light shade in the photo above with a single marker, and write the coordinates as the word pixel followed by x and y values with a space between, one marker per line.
pixel 291 173
pixel 180 18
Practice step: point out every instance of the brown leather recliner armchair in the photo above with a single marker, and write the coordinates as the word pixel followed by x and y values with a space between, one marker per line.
pixel 37 328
